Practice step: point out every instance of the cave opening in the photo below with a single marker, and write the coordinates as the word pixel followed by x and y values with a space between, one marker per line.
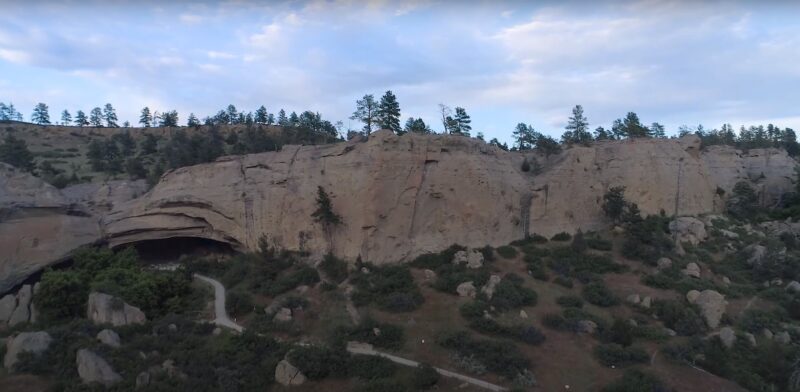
pixel 172 249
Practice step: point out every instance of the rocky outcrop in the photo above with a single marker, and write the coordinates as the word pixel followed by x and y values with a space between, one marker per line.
pixel 473 259
pixel 692 270
pixel 106 309
pixel 688 229
pixel 92 368
pixel 489 287
pixel 109 338
pixel 286 374
pixel 22 312
pixel 31 342
pixel 466 289
pixel 711 303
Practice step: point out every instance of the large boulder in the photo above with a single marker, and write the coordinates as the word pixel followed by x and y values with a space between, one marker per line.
pixel 688 229
pixel 489 287
pixel 22 313
pixel 92 368
pixel 711 303
pixel 692 270
pixel 109 337
pixel 31 342
pixel 727 336
pixel 466 289
pixel 286 374
pixel 106 309
pixel 7 305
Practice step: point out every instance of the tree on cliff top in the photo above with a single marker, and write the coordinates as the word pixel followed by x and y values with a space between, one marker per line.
pixel 325 215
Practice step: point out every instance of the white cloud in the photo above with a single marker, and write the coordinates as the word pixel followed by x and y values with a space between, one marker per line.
pixel 191 18
pixel 220 55
pixel 14 56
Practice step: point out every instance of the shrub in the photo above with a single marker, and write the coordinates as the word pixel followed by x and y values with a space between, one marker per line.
pixel 598 244
pixel 510 294
pixel 317 363
pixel 304 275
pixel 499 357
pixel 391 336
pixel 613 354
pixel 538 239
pixel 755 320
pixel 449 276
pixel 436 260
pixel 570 301
pixel 679 316
pixel 381 386
pixel 596 293
pixel 62 294
pixel 621 332
pixel 238 302
pixel 562 281
pixel 391 287
pixel 335 269
pixel 635 380
pixel 524 333
pixel 562 236
pixel 507 252
pixel 370 367
pixel 424 377
pixel 488 253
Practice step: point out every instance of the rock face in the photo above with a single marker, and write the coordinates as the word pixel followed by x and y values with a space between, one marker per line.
pixel 106 309
pixel 32 342
pixel 712 305
pixel 399 197
pixel 7 305
pixel 22 313
pixel 286 374
pixel 94 369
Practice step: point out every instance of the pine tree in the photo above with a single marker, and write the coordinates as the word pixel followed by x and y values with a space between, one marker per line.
pixel 66 118
pixel 261 115
pixel 146 119
pixel 657 130
pixel 417 125
pixel 169 119
pixel 15 152
pixel 270 119
pixel 462 122
pixel 389 113
pixel 80 119
pixel 294 119
pixel 577 128
pixel 366 112
pixel 523 136
pixel 325 215
pixel 110 115
pixel 40 114
pixel 192 121
pixel 233 114
pixel 96 117
pixel 601 134
pixel 282 120
pixel 4 114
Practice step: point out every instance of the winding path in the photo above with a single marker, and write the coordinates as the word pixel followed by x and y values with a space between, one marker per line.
pixel 222 319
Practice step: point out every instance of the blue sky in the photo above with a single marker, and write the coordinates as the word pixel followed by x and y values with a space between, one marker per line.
pixel 675 62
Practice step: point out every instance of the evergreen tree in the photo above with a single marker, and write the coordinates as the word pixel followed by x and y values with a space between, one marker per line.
pixel 40 114
pixel 66 118
pixel 126 124
pixel 80 119
pixel 524 136
pixel 366 112
pixel 577 128
pixel 149 145
pixel 9 113
pixel 261 115
pixel 15 152
pixel 389 113
pixel 417 125
pixel 630 126
pixel 657 130
pixel 110 115
pixel 614 203
pixel 294 119
pixel 325 215
pixel 96 117
pixel 461 122
pixel 233 114
pixel 282 120
pixel 169 119
pixel 192 121
pixel 4 114
pixel 270 119
pixel 146 119
pixel 546 144
pixel 601 134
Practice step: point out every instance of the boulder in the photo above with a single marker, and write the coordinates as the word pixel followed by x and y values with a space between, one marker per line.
pixel 692 270
pixel 712 305
pixel 767 334
pixel 688 229
pixel 523 314
pixel 727 336
pixel 750 338
pixel 109 338
pixel 488 288
pixel 646 302
pixel 670 332
pixel 460 257
pixel 466 289
pixel 286 374
pixel 142 380
pixel 692 295
pixel 106 309
pixel 7 305
pixel 587 326
pixel 22 313
pixel 283 315
pixel 757 254
pixel 793 286
pixel 725 280
pixel 474 260
pixel 634 299
pixel 32 342
pixel 664 263
pixel 783 337
pixel 729 234
pixel 430 275
pixel 92 368
pixel 776 282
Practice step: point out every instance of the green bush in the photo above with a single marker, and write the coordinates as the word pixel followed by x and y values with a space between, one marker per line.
pixel 562 236
pixel 335 269
pixel 621 332
pixel 391 287
pixel 563 281
pixel 370 367
pixel 449 276
pixel 679 316
pixel 424 377
pixel 381 386
pixel 538 239
pixel 436 260
pixel 62 294
pixel 499 357
pixel 304 275
pixel 598 244
pixel 317 363
pixel 238 302
pixel 613 354
pixel 391 336
pixel 510 294
pixel 596 293
pixel 635 380
pixel 507 252
pixel 570 301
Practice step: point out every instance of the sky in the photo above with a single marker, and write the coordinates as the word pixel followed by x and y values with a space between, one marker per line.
pixel 674 62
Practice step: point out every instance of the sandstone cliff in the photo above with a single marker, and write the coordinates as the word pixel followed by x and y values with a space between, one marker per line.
pixel 398 197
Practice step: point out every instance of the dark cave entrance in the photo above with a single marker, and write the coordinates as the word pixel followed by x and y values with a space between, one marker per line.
pixel 168 250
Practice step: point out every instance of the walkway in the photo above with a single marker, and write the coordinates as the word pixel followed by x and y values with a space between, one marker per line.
pixel 220 314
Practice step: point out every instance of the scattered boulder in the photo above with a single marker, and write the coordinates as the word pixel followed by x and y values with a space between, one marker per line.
pixel 466 289
pixel 646 302
pixel 634 299
pixel 142 380
pixel 460 257
pixel 430 275
pixel 172 328
pixel 7 305
pixel 168 366
pixel 109 337
pixel 688 229
pixel 757 254
pixel 283 315
pixel 783 337
pixel 776 282
pixel 712 305
pixel 727 336
pixel 670 332
pixel 767 334
pixel 725 280
pixel 664 263
pixel 692 270
pixel 587 326
pixel 793 286
pixel 106 309
pixel 217 331
pixel 93 368
pixel 31 342
pixel 729 234
pixel 523 314
pixel 750 338
pixel 489 287
pixel 473 259
pixel 22 313
pixel 286 374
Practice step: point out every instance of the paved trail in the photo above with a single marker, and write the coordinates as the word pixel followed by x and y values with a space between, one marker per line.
pixel 220 314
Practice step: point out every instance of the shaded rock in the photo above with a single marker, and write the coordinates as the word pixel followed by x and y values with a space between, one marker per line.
pixel 489 287
pixel 286 374
pixel 727 336
pixel 474 260
pixel 32 342
pixel 712 305
pixel 109 338
pixel 692 270
pixel 783 337
pixel 142 380
pixel 670 332
pixel 634 299
pixel 523 314
pixel 460 257
pixel 172 328
pixel 767 334
pixel 646 302
pixel 725 280
pixel 750 338
pixel 7 305
pixel 664 263
pixel 587 326
pixel 217 331
pixel 172 371
pixel 106 309
pixel 688 229
pixel 776 282
pixel 92 368
pixel 430 275
pixel 729 234
pixel 793 286
pixel 757 254
pixel 283 315
pixel 466 289
pixel 22 313
pixel 692 295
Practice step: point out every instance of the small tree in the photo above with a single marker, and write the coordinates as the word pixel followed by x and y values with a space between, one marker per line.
pixel 40 114
pixel 110 115
pixel 146 119
pixel 80 119
pixel 614 203
pixel 743 202
pixel 577 128
pixel 15 152
pixel 367 112
pixel 325 215
pixel 96 117
pixel 66 118
pixel 462 122
pixel 389 113
pixel 192 121
pixel 261 115
pixel 170 119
